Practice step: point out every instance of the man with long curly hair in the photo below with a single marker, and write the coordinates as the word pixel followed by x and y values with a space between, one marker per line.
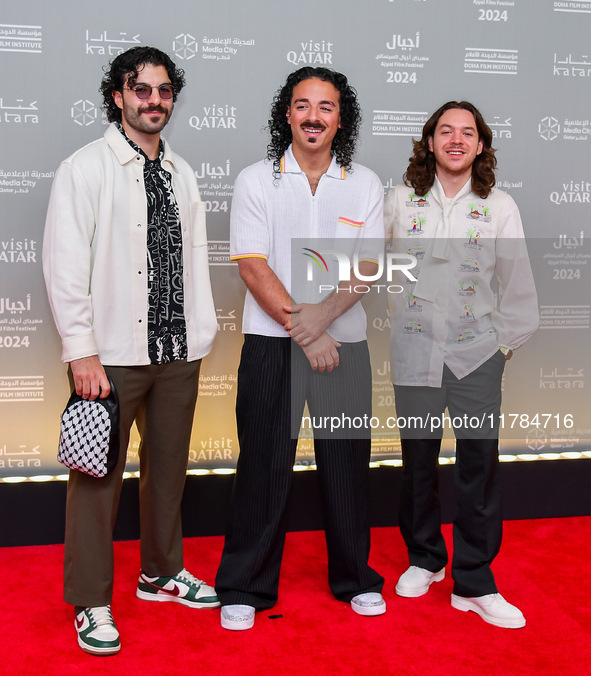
pixel 465 231
pixel 125 262
pixel 307 188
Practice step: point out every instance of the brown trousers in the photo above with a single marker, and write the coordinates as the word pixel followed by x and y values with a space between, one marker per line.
pixel 161 399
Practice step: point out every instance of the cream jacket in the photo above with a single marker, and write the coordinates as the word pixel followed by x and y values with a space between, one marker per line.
pixel 94 254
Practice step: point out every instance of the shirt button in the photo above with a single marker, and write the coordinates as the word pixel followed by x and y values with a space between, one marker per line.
pixel 139 225
pixel 139 272
pixel 139 321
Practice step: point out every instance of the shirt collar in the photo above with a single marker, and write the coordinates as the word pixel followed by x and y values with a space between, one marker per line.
pixel 439 194
pixel 135 146
pixel 289 165
pixel 125 152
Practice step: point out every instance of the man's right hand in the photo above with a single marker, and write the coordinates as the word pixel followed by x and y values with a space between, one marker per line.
pixel 322 353
pixel 90 379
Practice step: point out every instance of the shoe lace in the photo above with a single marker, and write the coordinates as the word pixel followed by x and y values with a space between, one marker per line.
pixel 101 616
pixel 187 577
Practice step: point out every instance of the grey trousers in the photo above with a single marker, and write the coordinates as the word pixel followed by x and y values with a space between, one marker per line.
pixel 161 399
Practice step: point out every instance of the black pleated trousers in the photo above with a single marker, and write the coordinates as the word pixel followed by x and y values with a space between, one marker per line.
pixel 478 525
pixel 272 388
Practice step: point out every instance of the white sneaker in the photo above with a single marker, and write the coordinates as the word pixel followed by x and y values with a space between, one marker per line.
pixel 492 608
pixel 237 617
pixel 368 604
pixel 416 581
pixel 182 588
pixel 97 633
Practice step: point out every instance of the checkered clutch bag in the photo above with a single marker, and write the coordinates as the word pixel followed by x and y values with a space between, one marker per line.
pixel 89 438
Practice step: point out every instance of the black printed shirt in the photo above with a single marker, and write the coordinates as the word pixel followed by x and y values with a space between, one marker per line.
pixel 167 330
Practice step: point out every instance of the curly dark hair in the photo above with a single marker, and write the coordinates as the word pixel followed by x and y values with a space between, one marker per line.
pixel 420 174
pixel 124 68
pixel 345 140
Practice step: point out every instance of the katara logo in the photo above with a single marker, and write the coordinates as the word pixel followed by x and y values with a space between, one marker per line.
pixel 549 128
pixel 185 46
pixel 84 112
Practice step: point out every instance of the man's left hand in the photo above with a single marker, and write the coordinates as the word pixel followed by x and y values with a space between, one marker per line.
pixel 308 322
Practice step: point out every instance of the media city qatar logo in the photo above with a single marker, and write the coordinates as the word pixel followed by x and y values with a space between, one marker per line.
pixel 344 270
pixel 536 439
pixel 549 128
pixel 571 129
pixel 185 46
pixel 84 112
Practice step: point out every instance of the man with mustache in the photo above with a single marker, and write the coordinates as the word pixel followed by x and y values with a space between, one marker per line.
pixel 307 188
pixel 470 233
pixel 126 268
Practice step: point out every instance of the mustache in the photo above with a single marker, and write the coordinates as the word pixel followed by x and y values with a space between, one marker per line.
pixel 151 109
pixel 313 125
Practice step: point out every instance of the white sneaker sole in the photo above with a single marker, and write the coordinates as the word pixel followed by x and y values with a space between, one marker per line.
pixel 413 593
pixel 91 650
pixel 369 611
pixel 463 604
pixel 163 597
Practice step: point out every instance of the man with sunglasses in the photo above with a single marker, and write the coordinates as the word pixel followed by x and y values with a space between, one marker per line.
pixel 126 268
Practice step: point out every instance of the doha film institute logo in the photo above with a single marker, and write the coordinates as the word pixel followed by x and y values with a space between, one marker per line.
pixel 185 46
pixel 549 128
pixel 84 112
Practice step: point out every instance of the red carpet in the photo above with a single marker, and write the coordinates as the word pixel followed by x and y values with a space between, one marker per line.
pixel 542 568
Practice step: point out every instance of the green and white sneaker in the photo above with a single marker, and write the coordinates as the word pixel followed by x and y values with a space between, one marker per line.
pixel 97 633
pixel 181 588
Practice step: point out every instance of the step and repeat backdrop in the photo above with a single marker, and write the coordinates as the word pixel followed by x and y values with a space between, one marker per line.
pixel 525 63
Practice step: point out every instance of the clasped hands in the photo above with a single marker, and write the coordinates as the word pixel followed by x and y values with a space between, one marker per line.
pixel 307 325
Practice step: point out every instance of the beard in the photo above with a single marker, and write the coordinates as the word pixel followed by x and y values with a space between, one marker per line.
pixel 145 124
